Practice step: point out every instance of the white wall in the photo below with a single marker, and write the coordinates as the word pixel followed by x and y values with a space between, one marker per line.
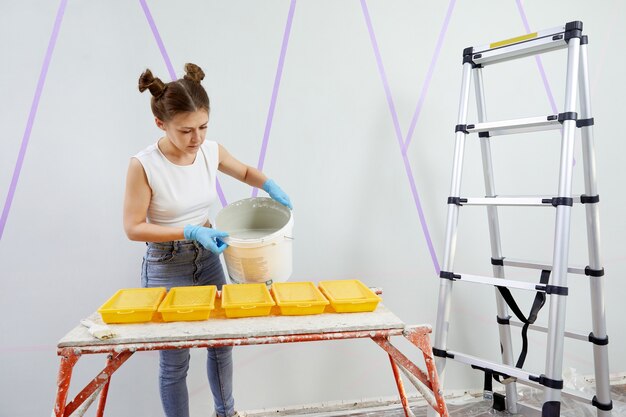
pixel 332 147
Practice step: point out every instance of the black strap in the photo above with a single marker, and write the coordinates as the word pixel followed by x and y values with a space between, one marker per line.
pixel 487 386
pixel 499 402
pixel 539 301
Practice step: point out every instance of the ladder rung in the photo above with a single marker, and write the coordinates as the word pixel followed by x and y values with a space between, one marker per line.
pixel 500 282
pixel 538 381
pixel 540 266
pixel 543 329
pixel 576 395
pixel 524 125
pixel 537 201
pixel 506 201
pixel 522 46
pixel 498 367
pixel 523 377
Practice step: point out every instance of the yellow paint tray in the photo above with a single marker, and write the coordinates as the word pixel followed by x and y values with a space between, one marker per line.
pixel 132 305
pixel 298 298
pixel 246 300
pixel 349 296
pixel 188 303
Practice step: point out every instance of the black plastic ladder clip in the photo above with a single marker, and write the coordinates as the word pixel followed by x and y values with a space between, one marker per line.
pixel 449 275
pixel 457 200
pixel 589 199
pixel 584 122
pixel 441 353
pixel 570 115
pixel 600 406
pixel 552 289
pixel 573 30
pixel 547 382
pixel 594 272
pixel 597 341
pixel 558 201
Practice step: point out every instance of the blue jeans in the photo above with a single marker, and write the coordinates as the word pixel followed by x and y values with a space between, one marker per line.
pixel 187 263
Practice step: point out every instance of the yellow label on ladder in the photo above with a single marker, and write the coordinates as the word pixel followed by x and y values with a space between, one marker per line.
pixel 513 40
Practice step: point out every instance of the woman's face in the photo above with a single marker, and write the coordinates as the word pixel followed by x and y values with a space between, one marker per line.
pixel 186 131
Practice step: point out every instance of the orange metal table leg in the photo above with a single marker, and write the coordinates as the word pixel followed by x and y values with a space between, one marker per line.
pixel 400 384
pixel 68 360
pixel 421 339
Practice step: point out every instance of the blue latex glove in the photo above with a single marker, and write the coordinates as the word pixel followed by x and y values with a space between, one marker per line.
pixel 209 238
pixel 276 193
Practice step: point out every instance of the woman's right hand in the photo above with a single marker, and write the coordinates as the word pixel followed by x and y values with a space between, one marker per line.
pixel 209 238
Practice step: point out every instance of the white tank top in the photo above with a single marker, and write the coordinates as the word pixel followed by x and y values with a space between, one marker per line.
pixel 181 194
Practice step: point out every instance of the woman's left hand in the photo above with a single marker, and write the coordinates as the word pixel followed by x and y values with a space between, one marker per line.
pixel 277 193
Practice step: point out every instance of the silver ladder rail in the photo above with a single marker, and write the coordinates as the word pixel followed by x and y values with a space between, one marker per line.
pixel 553 285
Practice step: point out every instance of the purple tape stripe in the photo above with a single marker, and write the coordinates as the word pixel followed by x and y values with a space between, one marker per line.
pixel 429 75
pixel 546 85
pixel 420 212
pixel 170 69
pixel 383 74
pixel 31 116
pixel 277 78
pixel 159 41
pixel 220 193
pixel 394 116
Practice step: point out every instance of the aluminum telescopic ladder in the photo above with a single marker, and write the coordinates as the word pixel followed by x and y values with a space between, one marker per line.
pixel 553 284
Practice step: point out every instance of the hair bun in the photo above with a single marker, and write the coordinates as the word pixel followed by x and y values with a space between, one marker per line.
pixel 193 73
pixel 147 81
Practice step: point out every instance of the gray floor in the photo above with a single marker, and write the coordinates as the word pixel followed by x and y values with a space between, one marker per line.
pixel 467 406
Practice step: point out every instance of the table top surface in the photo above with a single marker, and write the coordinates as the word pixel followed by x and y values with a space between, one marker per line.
pixel 220 327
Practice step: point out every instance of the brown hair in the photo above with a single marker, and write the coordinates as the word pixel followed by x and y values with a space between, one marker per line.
pixel 180 96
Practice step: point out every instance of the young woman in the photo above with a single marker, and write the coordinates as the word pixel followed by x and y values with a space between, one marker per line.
pixel 170 186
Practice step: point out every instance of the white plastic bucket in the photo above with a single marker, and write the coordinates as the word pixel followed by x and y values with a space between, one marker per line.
pixel 259 242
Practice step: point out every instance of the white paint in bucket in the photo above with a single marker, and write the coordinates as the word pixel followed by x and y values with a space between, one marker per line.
pixel 259 242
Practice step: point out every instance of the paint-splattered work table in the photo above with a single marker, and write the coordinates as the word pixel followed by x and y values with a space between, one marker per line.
pixel 378 325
